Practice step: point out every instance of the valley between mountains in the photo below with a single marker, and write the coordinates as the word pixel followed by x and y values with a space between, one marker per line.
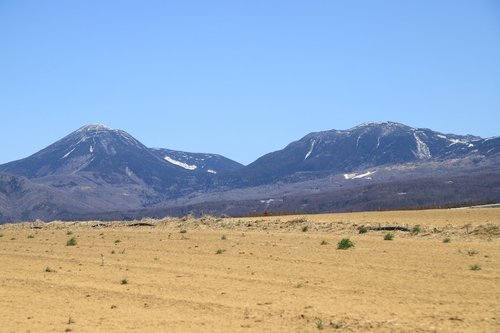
pixel 102 173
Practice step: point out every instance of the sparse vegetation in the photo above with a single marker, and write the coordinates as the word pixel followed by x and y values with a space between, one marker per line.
pixel 113 252
pixel 183 231
pixel 124 281
pixel 324 242
pixel 446 240
pixel 31 236
pixel 305 228
pixel 69 232
pixel 49 270
pixel 1 235
pixel 415 230
pixel 363 230
pixel 472 252
pixel 220 251
pixel 71 242
pixel 223 237
pixel 388 236
pixel 320 324
pixel 70 320
pixel 475 267
pixel 117 241
pixel 344 244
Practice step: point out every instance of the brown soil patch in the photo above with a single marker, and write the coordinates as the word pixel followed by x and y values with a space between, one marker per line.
pixel 271 276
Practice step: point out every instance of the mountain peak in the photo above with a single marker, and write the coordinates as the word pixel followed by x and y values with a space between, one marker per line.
pixel 94 127
pixel 380 124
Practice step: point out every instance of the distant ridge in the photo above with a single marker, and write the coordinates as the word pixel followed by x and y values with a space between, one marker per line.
pixel 99 171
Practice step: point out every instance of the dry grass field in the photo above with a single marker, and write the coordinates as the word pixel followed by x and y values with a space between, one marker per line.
pixel 269 274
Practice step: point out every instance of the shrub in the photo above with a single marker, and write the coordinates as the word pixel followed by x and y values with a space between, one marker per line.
pixel 388 236
pixel 223 237
pixel 319 324
pixel 49 270
pixel 415 230
pixel 363 230
pixel 344 244
pixel 183 231
pixel 324 242
pixel 304 228
pixel 220 251
pixel 31 236
pixel 475 267
pixel 71 242
pixel 124 281
pixel 69 232
pixel 446 240
pixel 117 241
pixel 472 252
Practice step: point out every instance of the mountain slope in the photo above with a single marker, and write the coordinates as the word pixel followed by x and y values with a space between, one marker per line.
pixel 103 154
pixel 100 172
pixel 361 147
pixel 197 162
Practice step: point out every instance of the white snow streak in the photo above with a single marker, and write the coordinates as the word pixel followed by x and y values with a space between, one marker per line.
pixel 310 150
pixel 422 149
pixel 211 171
pixel 69 152
pixel 358 176
pixel 91 149
pixel 179 163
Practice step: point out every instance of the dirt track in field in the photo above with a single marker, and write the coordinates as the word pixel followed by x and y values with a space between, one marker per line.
pixel 273 274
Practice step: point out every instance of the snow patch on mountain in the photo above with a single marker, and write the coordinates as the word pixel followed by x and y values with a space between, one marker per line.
pixel 310 150
pixel 179 163
pixel 211 171
pixel 358 176
pixel 423 151
pixel 458 141
pixel 69 152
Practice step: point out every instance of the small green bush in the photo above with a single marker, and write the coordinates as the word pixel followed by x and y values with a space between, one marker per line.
pixel 416 229
pixel 304 228
pixel 320 324
pixel 183 231
pixel 223 237
pixel 220 251
pixel 117 241
pixel 363 230
pixel 71 242
pixel 475 267
pixel 446 240
pixel 472 252
pixel 388 236
pixel 124 281
pixel 344 244
pixel 324 242
pixel 31 236
pixel 69 232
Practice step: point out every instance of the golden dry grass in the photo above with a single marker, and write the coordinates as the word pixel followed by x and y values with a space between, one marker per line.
pixel 272 276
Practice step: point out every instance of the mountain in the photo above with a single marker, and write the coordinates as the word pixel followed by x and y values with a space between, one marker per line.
pixel 98 172
pixel 197 162
pixel 101 153
pixel 365 146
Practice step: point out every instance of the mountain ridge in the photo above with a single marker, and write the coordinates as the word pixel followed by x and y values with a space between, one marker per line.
pixel 96 169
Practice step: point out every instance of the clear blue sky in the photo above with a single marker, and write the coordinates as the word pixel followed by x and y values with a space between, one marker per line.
pixel 243 78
